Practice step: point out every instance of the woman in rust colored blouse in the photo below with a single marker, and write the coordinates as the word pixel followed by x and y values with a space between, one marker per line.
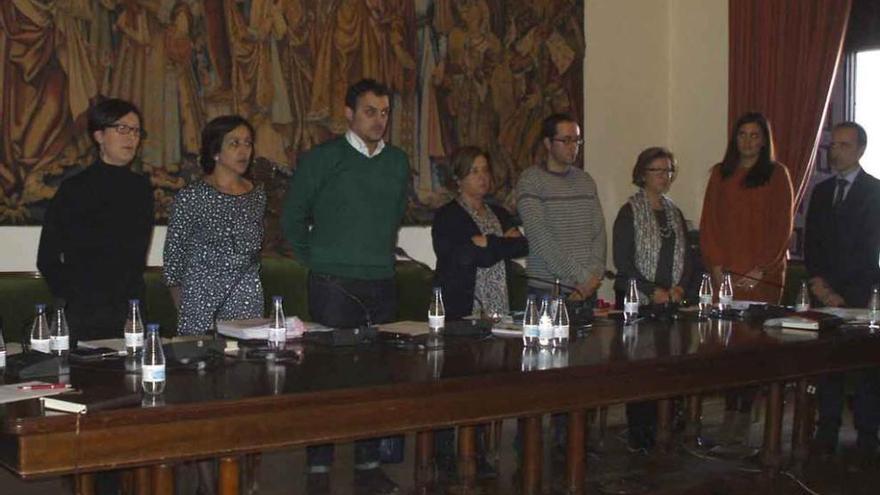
pixel 747 214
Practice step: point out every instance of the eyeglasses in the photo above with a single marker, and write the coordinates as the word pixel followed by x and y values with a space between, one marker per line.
pixel 125 130
pixel 667 171
pixel 235 143
pixel 569 140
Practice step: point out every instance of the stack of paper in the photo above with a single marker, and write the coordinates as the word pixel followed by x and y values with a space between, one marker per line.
pixel 258 328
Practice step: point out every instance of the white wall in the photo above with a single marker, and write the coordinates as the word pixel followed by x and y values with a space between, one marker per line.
pixel 698 57
pixel 655 74
pixel 18 247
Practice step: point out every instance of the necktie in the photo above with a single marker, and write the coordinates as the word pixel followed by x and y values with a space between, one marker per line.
pixel 839 192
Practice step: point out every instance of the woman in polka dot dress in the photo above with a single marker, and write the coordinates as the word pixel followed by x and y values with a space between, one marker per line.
pixel 215 233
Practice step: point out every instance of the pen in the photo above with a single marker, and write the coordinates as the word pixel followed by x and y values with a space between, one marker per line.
pixel 44 386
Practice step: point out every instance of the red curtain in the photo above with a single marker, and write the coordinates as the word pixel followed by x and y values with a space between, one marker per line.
pixel 783 58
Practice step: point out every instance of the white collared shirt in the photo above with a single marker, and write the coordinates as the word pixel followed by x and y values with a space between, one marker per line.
pixel 849 177
pixel 357 143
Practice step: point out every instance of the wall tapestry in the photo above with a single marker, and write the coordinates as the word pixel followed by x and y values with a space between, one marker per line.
pixel 481 72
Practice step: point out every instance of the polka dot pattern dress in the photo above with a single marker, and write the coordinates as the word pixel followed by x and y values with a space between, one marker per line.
pixel 212 252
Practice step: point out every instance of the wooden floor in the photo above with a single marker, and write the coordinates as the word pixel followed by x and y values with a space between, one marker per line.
pixel 611 468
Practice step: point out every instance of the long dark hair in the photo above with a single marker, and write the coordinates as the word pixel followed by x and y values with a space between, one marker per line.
pixel 761 172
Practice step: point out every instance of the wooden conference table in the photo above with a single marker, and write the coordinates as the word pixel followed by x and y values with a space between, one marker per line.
pixel 339 394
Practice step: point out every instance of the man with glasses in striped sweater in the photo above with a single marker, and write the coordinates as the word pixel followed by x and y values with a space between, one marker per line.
pixel 559 206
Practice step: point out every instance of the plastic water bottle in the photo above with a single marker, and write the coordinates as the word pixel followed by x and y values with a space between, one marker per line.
pixel 545 324
pixel 436 311
pixel 530 323
pixel 874 308
pixel 277 330
pixel 705 295
pixel 134 329
pixel 554 297
pixel 560 324
pixel 631 303
pixel 153 362
pixel 2 348
pixel 59 335
pixel 802 303
pixel 725 293
pixel 40 336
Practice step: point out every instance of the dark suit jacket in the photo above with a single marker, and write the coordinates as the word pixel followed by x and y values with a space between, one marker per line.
pixel 843 246
pixel 458 257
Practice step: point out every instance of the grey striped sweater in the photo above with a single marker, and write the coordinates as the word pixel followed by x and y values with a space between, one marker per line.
pixel 564 224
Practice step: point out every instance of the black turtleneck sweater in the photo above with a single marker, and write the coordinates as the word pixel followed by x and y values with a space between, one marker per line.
pixel 95 237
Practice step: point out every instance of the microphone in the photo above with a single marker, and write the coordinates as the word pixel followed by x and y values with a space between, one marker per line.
pixel 357 300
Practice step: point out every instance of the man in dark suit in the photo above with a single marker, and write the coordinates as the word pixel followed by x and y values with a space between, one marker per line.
pixel 841 253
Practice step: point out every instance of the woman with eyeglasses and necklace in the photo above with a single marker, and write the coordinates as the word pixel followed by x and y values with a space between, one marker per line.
pixel 97 228
pixel 650 245
pixel 215 233
pixel 650 234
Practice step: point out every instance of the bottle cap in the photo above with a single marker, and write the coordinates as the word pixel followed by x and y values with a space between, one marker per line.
pixel 134 301
pixel 152 327
pixel 276 299
pixel 40 307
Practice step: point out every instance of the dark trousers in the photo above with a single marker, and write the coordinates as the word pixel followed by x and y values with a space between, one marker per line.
pixel 445 446
pixel 641 420
pixel 347 303
pixel 740 399
pixel 866 407
pixel 89 321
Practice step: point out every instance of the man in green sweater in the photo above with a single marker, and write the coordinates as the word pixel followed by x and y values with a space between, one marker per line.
pixel 351 191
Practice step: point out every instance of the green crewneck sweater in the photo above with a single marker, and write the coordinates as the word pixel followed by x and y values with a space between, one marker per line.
pixel 354 205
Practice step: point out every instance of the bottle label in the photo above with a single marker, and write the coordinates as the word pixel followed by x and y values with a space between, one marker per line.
pixel 706 299
pixel 41 345
pixel 530 331
pixel 60 343
pixel 560 331
pixel 134 339
pixel 800 308
pixel 3 358
pixel 277 334
pixel 631 307
pixel 545 328
pixel 725 299
pixel 153 373
pixel 436 321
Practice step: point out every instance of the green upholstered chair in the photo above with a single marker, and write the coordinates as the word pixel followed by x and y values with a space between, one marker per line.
pixel 281 276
